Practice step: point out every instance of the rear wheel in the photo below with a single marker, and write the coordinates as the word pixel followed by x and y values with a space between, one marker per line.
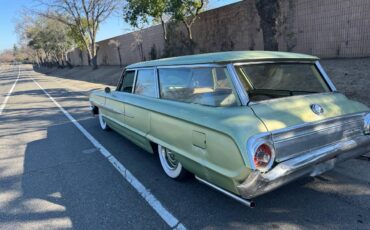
pixel 103 123
pixel 172 167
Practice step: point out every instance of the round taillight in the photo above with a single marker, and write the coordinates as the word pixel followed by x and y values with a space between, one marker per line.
pixel 263 157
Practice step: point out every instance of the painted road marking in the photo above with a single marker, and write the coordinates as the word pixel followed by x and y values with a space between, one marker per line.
pixel 170 219
pixel 10 92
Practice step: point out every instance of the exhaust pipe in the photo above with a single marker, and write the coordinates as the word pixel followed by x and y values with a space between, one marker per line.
pixel 248 203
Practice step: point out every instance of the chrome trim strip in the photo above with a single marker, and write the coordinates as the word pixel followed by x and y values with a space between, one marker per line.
pixel 326 77
pixel 268 136
pixel 112 110
pixel 300 126
pixel 134 83
pixel 310 132
pixel 191 66
pixel 248 203
pixel 127 127
pixel 299 154
pixel 287 129
pixel 309 158
pixel 272 62
pixel 242 94
pixel 156 76
pixel 283 98
pixel 120 79
pixel 145 68
pixel 312 163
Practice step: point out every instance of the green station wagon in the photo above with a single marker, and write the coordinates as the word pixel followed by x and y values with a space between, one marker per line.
pixel 243 122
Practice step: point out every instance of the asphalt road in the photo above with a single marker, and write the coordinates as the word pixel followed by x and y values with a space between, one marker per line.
pixel 52 176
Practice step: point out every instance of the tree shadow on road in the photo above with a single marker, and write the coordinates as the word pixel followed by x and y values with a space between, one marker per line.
pixel 67 183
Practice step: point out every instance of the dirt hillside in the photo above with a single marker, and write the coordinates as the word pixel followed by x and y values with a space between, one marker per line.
pixel 350 76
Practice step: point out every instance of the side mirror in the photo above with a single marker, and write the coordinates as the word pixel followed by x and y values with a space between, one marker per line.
pixel 107 89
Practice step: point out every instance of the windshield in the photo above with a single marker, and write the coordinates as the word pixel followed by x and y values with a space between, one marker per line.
pixel 273 80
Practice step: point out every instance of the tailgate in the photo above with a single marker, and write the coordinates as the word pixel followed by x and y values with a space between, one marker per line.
pixel 296 128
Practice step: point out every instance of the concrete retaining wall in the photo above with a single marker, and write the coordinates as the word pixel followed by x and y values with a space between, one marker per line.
pixel 326 28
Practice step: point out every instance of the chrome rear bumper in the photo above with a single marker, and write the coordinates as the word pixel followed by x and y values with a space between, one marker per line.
pixel 311 163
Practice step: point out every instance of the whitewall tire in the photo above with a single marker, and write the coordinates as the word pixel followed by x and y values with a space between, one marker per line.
pixel 172 167
pixel 103 123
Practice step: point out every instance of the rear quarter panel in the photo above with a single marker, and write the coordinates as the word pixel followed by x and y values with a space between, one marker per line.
pixel 221 156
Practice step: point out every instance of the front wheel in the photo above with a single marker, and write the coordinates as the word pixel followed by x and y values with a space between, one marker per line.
pixel 103 123
pixel 172 167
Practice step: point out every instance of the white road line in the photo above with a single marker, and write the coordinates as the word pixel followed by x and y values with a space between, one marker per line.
pixel 170 219
pixel 10 92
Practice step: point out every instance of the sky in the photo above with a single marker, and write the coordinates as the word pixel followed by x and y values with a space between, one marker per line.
pixel 113 26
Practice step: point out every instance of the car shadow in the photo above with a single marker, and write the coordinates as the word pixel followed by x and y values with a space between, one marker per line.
pixel 66 183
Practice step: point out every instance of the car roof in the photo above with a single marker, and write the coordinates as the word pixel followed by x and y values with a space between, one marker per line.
pixel 225 57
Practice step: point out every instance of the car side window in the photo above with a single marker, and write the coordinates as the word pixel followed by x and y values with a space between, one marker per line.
pixel 202 78
pixel 146 83
pixel 208 86
pixel 127 82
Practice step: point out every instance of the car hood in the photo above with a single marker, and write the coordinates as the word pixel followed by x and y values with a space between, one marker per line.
pixel 290 111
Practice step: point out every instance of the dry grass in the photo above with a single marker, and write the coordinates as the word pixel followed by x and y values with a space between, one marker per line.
pixel 350 76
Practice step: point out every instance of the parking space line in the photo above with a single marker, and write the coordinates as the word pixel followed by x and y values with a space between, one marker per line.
pixel 10 92
pixel 166 215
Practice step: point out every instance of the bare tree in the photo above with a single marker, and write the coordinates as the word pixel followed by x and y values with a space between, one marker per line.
pixel 268 10
pixel 116 44
pixel 138 43
pixel 84 16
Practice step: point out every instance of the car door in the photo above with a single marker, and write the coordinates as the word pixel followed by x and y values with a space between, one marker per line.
pixel 137 117
pixel 204 151
pixel 114 104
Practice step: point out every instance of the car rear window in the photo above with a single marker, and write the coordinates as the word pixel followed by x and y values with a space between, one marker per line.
pixel 271 80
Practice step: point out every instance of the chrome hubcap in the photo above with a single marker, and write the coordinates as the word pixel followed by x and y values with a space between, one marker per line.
pixel 170 159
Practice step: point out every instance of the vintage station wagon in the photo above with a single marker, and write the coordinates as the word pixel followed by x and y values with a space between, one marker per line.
pixel 243 122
